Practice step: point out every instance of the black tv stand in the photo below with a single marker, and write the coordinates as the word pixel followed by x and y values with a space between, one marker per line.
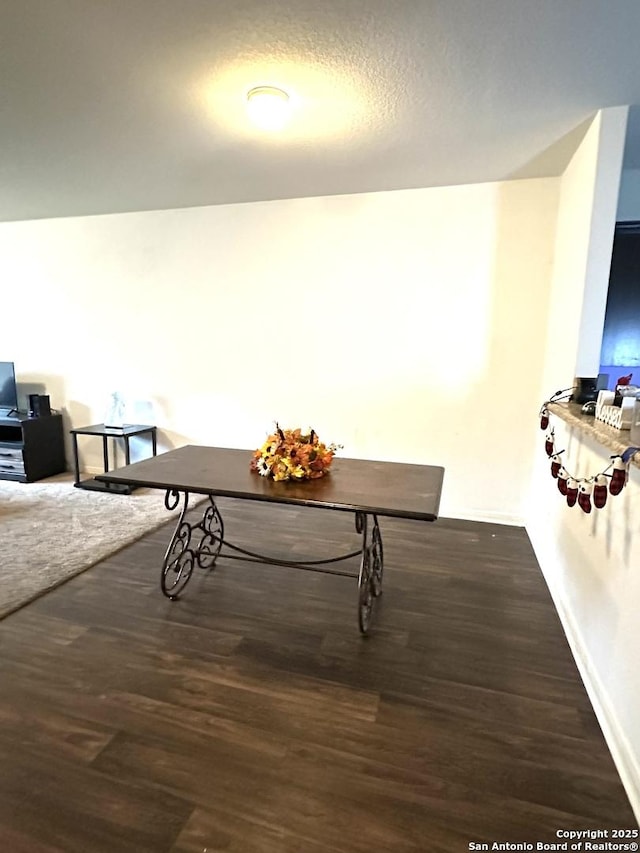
pixel 31 448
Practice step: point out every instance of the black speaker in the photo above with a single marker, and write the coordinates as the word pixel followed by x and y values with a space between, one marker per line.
pixel 586 389
pixel 39 405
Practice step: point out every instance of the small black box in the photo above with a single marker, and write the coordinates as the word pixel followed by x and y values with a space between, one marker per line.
pixel 586 390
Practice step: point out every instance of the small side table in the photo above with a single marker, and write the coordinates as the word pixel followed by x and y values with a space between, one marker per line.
pixel 106 432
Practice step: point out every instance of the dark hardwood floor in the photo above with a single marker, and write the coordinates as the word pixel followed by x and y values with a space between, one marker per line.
pixel 252 717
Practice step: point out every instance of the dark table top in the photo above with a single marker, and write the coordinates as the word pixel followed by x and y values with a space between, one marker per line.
pixel 385 488
pixel 117 431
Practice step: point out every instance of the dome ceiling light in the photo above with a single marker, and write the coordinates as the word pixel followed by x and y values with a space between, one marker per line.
pixel 269 108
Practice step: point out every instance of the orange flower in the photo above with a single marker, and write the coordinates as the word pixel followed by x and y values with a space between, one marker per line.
pixel 293 454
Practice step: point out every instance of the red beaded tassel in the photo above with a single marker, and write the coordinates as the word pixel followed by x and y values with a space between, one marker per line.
pixel 563 476
pixel 619 476
pixel 584 496
pixel 600 491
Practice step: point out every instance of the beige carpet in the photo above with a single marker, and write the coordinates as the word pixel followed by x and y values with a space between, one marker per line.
pixel 50 531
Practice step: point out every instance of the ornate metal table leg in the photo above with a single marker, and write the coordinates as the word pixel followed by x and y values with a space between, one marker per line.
pixel 181 557
pixel 377 558
pixel 200 544
pixel 371 568
pixel 212 536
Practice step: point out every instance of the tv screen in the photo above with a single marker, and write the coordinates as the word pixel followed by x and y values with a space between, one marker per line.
pixel 8 389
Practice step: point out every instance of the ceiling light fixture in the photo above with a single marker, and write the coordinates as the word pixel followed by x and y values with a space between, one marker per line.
pixel 268 107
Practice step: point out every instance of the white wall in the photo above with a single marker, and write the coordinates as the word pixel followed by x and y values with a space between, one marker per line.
pixel 584 238
pixel 405 325
pixel 591 562
pixel 592 565
pixel 570 266
pixel 611 125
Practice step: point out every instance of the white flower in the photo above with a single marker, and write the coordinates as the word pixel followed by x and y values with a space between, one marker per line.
pixel 262 468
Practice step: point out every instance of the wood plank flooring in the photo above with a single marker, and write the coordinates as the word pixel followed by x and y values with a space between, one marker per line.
pixel 252 717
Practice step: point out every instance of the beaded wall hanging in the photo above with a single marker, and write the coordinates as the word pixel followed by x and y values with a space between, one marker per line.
pixel 585 491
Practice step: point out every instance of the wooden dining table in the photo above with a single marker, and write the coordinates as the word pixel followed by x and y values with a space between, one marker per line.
pixel 368 489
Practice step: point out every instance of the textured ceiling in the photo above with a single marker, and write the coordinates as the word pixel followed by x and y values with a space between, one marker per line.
pixel 117 105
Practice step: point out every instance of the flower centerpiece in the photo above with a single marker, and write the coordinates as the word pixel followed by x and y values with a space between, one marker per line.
pixel 290 454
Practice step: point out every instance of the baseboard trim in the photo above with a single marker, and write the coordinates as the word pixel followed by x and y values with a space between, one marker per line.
pixel 623 756
pixel 488 517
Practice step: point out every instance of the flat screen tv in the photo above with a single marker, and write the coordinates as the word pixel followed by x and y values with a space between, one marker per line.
pixel 8 388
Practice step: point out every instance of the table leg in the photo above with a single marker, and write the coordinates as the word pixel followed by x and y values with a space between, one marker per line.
pixel 200 544
pixel 105 453
pixel 154 442
pixel 181 556
pixel 371 568
pixel 127 451
pixel 76 462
